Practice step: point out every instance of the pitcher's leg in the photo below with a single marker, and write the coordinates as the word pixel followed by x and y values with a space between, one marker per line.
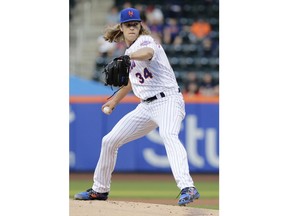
pixel 132 126
pixel 169 126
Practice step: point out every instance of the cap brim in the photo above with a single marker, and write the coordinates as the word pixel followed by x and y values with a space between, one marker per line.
pixel 132 20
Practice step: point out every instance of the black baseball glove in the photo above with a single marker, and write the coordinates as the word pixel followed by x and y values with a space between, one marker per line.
pixel 117 71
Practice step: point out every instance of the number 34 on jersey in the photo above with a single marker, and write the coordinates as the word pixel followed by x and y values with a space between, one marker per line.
pixel 147 74
pixel 142 76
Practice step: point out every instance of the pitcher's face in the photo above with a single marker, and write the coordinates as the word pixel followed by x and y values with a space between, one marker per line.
pixel 131 31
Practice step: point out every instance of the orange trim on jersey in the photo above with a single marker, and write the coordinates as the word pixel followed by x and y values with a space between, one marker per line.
pixel 133 99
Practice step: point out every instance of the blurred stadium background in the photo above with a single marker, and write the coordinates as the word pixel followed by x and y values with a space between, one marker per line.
pixel 189 33
pixel 187 29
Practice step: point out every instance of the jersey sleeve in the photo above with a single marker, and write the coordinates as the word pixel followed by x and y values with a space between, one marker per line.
pixel 147 41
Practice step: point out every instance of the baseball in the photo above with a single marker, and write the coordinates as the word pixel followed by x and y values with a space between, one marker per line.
pixel 107 110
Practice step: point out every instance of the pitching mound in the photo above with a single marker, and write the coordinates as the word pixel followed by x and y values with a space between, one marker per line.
pixel 123 208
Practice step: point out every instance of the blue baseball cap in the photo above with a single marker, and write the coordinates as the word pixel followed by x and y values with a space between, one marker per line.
pixel 129 14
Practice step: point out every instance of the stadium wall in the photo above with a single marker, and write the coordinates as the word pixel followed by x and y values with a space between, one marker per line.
pixel 199 134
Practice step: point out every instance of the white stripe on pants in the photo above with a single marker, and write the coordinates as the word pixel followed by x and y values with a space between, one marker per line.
pixel 167 113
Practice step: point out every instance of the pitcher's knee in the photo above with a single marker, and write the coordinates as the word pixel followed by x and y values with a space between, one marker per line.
pixel 167 136
pixel 108 144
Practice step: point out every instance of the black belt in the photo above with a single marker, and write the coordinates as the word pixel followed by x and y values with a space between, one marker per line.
pixel 155 97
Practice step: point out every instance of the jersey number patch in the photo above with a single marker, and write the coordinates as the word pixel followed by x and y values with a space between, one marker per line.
pixel 147 74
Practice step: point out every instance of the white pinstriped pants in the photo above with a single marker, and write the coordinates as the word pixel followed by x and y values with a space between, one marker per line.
pixel 167 113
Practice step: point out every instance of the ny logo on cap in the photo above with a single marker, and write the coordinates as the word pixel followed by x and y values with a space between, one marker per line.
pixel 130 13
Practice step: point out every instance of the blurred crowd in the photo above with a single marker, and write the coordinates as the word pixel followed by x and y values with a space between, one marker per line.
pixel 175 28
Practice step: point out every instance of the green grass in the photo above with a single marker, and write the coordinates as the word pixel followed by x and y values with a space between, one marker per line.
pixel 149 190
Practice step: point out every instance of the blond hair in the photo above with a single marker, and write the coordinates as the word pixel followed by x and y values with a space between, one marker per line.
pixel 114 33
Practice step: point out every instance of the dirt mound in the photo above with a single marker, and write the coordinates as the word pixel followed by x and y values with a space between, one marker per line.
pixel 123 208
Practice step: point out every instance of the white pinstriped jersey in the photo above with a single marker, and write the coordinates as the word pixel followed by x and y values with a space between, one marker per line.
pixel 148 78
pixel 151 77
